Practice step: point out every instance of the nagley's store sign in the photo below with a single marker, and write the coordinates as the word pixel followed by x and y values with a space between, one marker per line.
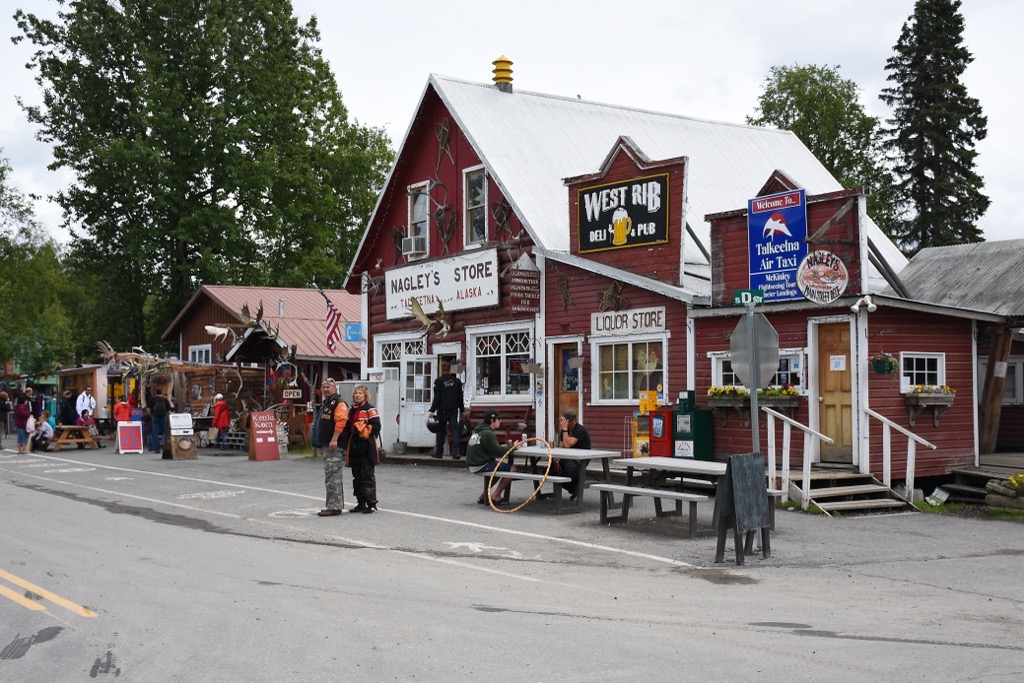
pixel 628 323
pixel 623 214
pixel 469 280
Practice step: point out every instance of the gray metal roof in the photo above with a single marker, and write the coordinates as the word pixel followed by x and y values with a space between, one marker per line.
pixel 984 276
pixel 529 142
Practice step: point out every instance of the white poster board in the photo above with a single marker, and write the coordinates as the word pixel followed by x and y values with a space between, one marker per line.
pixel 129 437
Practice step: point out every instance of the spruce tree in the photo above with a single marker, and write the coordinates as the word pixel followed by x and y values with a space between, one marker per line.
pixel 933 130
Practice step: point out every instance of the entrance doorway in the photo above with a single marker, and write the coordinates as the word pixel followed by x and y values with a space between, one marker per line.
pixel 835 392
pixel 566 380
pixel 417 385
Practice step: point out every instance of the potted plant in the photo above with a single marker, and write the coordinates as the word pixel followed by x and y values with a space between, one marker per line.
pixel 883 363
pixel 938 397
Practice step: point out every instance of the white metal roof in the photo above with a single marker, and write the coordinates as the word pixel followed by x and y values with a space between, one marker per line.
pixel 530 142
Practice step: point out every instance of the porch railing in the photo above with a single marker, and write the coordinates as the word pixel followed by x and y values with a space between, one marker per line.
pixel 787 430
pixel 912 441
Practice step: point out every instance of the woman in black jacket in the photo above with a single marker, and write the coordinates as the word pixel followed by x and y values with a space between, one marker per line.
pixel 360 443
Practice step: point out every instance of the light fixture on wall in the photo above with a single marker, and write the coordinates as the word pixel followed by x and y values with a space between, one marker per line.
pixel 866 302
pixel 575 362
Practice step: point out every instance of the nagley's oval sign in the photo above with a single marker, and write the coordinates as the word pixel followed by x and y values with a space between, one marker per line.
pixel 635 321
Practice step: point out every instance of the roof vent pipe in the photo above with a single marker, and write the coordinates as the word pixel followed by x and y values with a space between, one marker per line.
pixel 503 73
pixel 280 308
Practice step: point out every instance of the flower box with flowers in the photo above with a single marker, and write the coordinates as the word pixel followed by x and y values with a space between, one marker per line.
pixel 784 398
pixel 938 397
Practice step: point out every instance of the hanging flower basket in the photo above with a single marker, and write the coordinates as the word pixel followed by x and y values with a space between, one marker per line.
pixel 883 363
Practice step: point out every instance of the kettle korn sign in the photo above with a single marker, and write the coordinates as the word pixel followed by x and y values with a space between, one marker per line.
pixel 623 214
pixel 822 277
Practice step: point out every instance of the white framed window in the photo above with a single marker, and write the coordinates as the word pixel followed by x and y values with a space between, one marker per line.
pixel 416 245
pixel 1013 382
pixel 498 358
pixel 474 190
pixel 627 366
pixel 790 373
pixel 200 354
pixel 922 368
pixel 389 352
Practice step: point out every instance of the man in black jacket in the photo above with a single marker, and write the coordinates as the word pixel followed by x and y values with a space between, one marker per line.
pixel 448 406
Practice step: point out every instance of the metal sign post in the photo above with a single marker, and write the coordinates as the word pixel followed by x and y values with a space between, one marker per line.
pixel 754 350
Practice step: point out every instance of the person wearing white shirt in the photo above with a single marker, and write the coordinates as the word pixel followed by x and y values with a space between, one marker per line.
pixel 40 439
pixel 86 401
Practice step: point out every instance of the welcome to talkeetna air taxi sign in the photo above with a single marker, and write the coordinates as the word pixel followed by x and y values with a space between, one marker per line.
pixel 777 237
pixel 623 214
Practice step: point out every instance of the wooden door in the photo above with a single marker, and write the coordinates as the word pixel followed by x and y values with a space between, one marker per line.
pixel 566 381
pixel 835 392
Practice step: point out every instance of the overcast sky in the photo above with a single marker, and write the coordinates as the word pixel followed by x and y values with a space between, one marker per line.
pixel 702 59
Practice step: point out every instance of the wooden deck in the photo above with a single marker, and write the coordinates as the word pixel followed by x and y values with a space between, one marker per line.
pixel 1002 463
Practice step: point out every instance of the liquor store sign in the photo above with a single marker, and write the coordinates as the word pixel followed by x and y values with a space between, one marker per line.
pixel 623 214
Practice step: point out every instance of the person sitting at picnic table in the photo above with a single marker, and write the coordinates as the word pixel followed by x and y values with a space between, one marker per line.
pixel 86 420
pixel 571 434
pixel 482 456
pixel 39 440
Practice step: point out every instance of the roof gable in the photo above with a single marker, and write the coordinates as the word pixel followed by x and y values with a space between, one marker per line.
pixel 298 315
pixel 529 141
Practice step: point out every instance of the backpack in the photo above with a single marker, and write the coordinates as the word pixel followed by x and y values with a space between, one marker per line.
pixel 159 406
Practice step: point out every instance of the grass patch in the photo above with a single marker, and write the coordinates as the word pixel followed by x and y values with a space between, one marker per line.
pixel 971 511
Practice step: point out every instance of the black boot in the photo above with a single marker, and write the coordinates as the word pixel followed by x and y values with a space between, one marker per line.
pixel 369 508
pixel 361 507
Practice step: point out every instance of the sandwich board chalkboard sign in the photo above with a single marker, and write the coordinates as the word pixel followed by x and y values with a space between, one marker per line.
pixel 742 504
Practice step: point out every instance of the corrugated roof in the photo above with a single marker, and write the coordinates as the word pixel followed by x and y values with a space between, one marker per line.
pixel 983 276
pixel 303 322
pixel 530 142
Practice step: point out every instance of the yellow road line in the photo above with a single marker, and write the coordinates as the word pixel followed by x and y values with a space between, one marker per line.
pixel 21 599
pixel 47 595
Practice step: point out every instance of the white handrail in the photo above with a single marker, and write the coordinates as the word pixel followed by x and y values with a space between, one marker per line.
pixel 912 441
pixel 787 424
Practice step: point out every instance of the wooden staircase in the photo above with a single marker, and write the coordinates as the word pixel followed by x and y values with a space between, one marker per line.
pixel 969 484
pixel 850 492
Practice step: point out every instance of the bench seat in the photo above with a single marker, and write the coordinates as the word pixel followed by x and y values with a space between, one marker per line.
pixel 555 480
pixel 629 492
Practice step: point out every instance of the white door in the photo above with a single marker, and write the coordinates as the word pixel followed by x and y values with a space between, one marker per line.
pixel 417 382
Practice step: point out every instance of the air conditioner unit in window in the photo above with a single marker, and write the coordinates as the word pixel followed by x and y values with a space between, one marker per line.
pixel 414 246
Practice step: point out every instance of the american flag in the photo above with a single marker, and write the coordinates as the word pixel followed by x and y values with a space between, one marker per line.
pixel 332 323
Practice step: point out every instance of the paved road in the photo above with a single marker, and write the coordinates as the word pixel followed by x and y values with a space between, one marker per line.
pixel 131 567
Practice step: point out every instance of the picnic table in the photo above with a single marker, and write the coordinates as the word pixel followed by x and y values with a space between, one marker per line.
pixel 655 471
pixel 76 434
pixel 537 458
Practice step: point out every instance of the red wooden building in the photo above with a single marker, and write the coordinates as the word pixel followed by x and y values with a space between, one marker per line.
pixel 567 253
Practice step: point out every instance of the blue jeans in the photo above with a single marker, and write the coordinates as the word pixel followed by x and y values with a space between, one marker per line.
pixel 156 435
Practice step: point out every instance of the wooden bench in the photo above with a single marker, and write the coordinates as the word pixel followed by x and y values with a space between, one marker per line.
pixel 555 480
pixel 629 492
pixel 514 421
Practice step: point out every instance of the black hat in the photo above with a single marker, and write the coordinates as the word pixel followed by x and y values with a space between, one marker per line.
pixel 490 416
